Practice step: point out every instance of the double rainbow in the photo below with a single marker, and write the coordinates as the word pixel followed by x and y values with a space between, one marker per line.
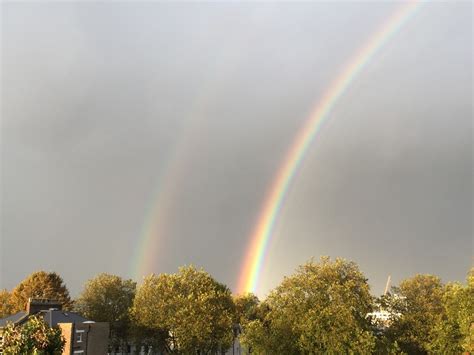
pixel 262 234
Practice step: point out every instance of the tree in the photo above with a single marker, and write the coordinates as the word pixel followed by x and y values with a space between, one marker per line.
pixel 6 308
pixel 33 337
pixel 40 284
pixel 454 332
pixel 194 311
pixel 420 307
pixel 246 308
pixel 151 340
pixel 255 328
pixel 320 309
pixel 108 298
pixel 389 303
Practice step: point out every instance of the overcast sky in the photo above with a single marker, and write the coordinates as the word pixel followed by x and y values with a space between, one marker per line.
pixel 113 110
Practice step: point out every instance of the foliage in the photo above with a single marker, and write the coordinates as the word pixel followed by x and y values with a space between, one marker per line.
pixel 454 332
pixel 389 303
pixel 40 284
pixel 194 311
pixel 149 338
pixel 108 298
pixel 33 337
pixel 320 309
pixel 6 307
pixel 246 308
pixel 420 305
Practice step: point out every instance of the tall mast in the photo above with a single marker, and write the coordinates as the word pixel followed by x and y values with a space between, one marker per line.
pixel 387 285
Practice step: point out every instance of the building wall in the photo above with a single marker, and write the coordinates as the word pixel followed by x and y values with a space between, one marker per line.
pixel 98 338
pixel 66 330
pixel 85 338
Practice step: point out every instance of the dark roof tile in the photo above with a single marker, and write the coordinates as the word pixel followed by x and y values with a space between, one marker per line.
pixel 12 319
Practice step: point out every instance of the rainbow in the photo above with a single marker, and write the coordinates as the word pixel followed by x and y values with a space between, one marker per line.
pixel 150 244
pixel 262 233
pixel 154 228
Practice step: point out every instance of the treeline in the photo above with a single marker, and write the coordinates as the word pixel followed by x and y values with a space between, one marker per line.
pixel 324 307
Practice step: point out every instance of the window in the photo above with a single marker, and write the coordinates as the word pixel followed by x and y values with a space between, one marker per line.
pixel 79 336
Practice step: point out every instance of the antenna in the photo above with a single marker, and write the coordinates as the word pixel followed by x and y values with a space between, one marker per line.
pixel 387 285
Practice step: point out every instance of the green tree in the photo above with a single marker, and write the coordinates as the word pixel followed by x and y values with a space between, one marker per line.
pixel 33 337
pixel 246 310
pixel 419 303
pixel 320 309
pixel 149 339
pixel 246 307
pixel 40 284
pixel 454 332
pixel 194 311
pixel 6 307
pixel 109 298
pixel 388 303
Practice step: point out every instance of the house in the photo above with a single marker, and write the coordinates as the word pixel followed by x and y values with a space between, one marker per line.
pixel 82 335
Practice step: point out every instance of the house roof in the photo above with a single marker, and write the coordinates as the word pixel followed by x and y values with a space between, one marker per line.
pixel 14 318
pixel 54 316
pixel 50 316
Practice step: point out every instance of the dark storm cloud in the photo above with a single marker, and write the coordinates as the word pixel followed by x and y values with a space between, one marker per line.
pixel 97 98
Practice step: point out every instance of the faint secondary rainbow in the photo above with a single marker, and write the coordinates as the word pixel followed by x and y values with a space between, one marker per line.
pixel 151 242
pixel 262 233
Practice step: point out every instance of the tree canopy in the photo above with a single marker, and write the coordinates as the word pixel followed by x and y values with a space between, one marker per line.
pixel 33 337
pixel 321 308
pixel 324 307
pixel 195 311
pixel 108 298
pixel 246 308
pixel 454 332
pixel 419 305
pixel 40 284
pixel 6 307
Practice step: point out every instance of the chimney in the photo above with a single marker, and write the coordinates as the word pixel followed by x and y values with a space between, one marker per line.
pixel 36 305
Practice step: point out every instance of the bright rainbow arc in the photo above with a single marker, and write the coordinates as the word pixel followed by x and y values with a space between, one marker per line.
pixel 263 231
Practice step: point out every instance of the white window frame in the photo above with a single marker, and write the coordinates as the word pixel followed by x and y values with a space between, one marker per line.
pixel 79 336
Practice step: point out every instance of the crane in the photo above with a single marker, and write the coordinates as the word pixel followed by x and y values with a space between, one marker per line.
pixel 387 285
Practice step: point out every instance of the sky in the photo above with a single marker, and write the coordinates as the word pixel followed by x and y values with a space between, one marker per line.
pixel 121 120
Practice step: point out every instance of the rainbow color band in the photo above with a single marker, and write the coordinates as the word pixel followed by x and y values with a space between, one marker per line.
pixel 262 233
